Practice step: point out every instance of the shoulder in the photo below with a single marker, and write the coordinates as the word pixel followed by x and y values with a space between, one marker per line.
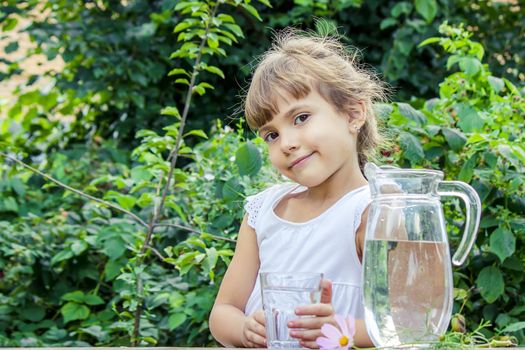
pixel 260 201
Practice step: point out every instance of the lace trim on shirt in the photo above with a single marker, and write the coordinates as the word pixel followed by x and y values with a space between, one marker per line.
pixel 252 207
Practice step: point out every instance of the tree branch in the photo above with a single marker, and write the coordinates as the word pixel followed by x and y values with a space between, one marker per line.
pixel 182 227
pixel 74 190
pixel 174 156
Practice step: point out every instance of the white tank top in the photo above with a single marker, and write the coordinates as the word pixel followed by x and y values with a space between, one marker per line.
pixel 324 244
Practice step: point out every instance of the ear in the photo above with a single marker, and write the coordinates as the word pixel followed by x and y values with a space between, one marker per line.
pixel 357 117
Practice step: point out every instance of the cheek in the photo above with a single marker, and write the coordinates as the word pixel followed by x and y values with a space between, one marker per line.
pixel 274 156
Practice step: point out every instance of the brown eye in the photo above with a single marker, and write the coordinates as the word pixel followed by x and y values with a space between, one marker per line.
pixel 270 137
pixel 301 118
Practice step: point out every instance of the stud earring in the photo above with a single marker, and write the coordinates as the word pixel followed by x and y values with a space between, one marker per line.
pixel 356 128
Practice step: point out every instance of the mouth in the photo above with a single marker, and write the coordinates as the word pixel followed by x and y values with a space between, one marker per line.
pixel 299 161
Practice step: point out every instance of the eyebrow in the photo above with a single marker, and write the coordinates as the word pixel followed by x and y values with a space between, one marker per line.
pixel 286 115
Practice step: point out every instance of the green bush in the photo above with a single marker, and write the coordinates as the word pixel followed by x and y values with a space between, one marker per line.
pixel 70 271
pixel 472 132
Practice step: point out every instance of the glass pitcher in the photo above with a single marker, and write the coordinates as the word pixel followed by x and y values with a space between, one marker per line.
pixel 406 266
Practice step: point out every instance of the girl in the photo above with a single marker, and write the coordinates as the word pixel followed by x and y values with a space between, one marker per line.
pixel 313 107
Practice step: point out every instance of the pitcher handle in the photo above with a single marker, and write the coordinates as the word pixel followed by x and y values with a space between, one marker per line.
pixel 473 214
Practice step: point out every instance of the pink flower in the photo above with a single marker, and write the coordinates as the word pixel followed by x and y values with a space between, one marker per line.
pixel 335 339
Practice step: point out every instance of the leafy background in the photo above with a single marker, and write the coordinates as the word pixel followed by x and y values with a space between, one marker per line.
pixel 70 269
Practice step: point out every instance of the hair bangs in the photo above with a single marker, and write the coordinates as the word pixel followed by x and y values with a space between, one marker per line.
pixel 277 80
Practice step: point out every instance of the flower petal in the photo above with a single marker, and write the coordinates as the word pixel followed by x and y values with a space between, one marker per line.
pixel 342 324
pixel 331 332
pixel 327 343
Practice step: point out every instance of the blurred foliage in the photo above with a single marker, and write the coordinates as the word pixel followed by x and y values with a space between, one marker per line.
pixel 117 54
pixel 472 132
pixel 67 268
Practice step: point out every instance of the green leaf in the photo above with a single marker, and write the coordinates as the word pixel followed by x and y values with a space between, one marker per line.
pixel 502 243
pixel 411 113
pixel 18 186
pixel 95 331
pixel 497 84
pixel 171 111
pixel 429 41
pixel 470 65
pixel 10 204
pixel 212 41
pixel 387 23
pixel 199 133
pixel 182 81
pixel 141 173
pixel 235 29
pixel 469 120
pixel 225 18
pixel 181 26
pixel 211 261
pixel 206 85
pixel 514 327
pixel 412 147
pixel 178 71
pixel 126 201
pixel 427 9
pixel 252 11
pixel 214 70
pixel 65 254
pixel 199 89
pixel 114 247
pixel 248 159
pixel 175 320
pixel 33 313
pixel 9 23
pixel 112 269
pixel 73 311
pixel 92 299
pixel 11 47
pixel 400 8
pixel 490 283
pixel 507 152
pixel 232 190
pixel 77 296
pixel 467 170
pixel 455 138
pixel 78 247
pixel 176 300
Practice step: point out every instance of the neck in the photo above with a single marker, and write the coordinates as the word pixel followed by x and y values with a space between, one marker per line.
pixel 341 182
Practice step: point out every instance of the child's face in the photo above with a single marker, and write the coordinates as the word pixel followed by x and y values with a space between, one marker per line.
pixel 309 140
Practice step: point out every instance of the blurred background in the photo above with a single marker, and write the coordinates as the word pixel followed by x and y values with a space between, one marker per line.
pixel 95 94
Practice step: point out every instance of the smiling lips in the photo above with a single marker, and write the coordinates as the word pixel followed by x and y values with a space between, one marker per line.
pixel 300 160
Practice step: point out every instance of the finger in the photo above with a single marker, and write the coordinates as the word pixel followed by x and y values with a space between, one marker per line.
pixel 257 340
pixel 309 344
pixel 259 317
pixel 326 291
pixel 309 322
pixel 306 335
pixel 258 328
pixel 319 310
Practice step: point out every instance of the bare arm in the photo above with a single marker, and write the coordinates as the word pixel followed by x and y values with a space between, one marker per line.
pixel 228 324
pixel 361 338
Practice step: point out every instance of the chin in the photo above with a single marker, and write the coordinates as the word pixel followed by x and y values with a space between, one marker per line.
pixel 308 181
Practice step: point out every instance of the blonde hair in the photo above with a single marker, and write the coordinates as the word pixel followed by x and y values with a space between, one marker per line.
pixel 298 62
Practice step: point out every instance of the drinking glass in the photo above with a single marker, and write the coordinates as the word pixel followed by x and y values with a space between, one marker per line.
pixel 281 294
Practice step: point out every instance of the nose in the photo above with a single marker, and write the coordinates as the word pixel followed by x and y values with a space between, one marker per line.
pixel 289 142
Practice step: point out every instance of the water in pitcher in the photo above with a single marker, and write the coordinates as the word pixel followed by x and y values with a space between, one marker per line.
pixel 407 287
pixel 279 305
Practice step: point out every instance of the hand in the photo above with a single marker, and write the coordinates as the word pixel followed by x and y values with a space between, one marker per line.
pixel 307 329
pixel 254 331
